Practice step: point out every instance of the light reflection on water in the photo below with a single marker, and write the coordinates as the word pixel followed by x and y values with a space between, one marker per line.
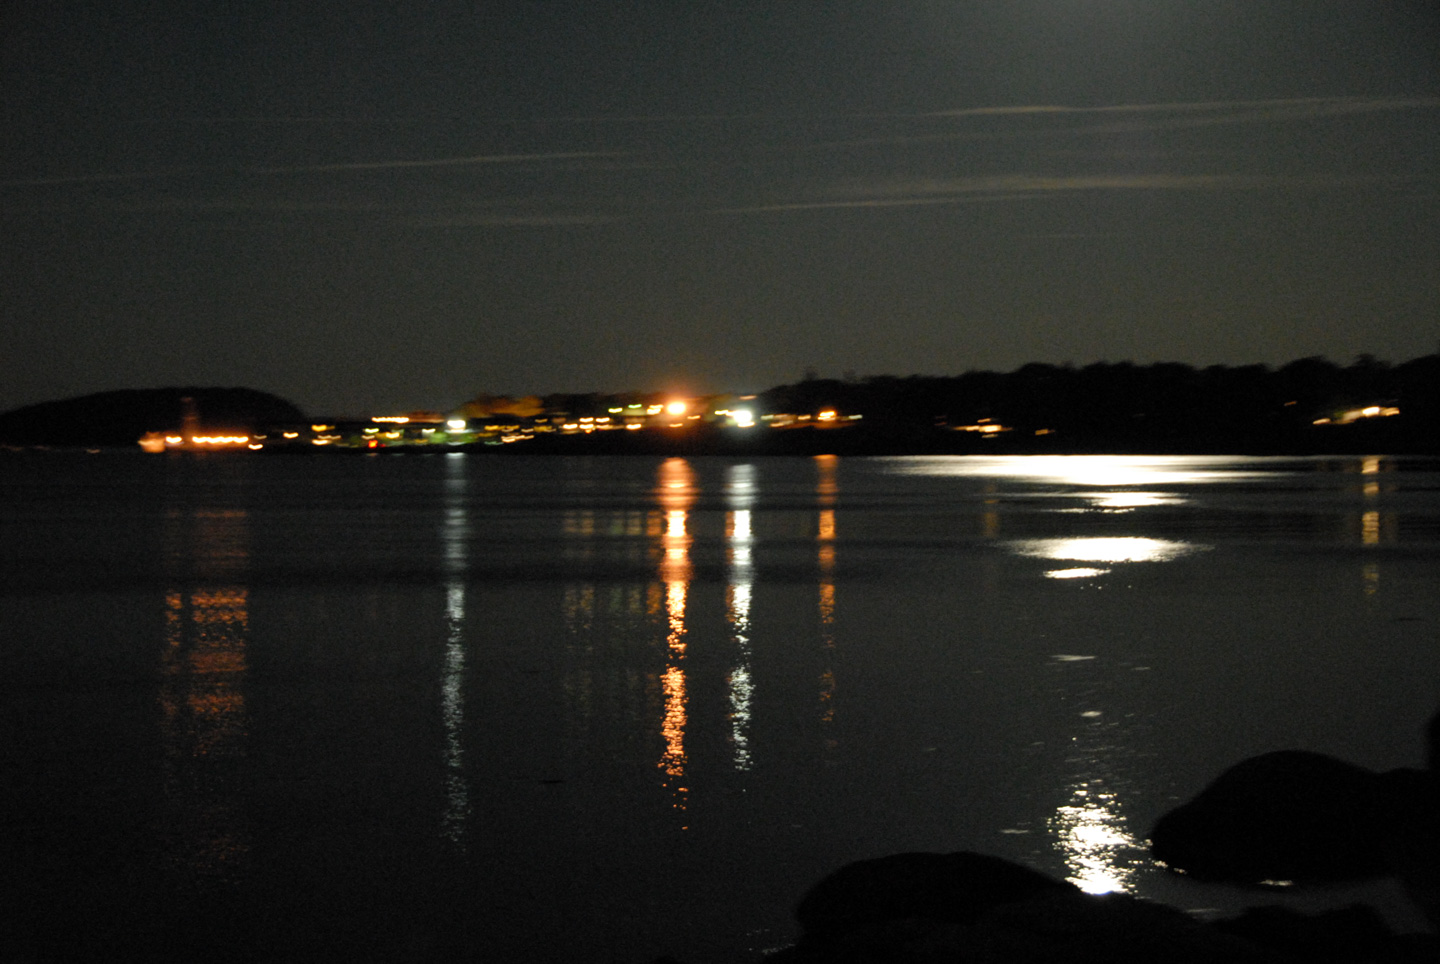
pixel 1090 829
pixel 203 715
pixel 1107 549
pixel 826 494
pixel 1086 470
pixel 454 536
pixel 1125 501
pixel 740 493
pixel 1075 572
pixel 1091 834
pixel 676 493
pixel 751 651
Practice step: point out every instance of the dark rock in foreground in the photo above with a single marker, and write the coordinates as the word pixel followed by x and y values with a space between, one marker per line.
pixel 970 907
pixel 1290 815
pixel 959 888
pixel 967 908
pixel 1305 817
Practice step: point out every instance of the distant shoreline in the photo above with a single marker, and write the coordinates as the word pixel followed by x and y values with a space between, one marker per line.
pixel 1308 407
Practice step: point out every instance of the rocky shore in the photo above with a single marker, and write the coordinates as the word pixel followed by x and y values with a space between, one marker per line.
pixel 1301 817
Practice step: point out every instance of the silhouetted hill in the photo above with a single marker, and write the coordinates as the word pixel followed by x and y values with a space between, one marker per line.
pixel 119 418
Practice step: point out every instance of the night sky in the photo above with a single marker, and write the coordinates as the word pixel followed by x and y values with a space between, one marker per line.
pixel 372 206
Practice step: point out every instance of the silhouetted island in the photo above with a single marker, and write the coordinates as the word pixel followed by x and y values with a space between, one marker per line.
pixel 120 418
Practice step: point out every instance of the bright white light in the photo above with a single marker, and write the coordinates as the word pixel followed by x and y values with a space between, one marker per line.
pixel 1119 501
pixel 1084 470
pixel 676 408
pixel 1076 573
pixel 455 424
pixel 1115 549
pixel 743 417
pixel 1091 834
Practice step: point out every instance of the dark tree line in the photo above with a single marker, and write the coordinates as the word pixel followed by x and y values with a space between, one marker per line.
pixel 1166 406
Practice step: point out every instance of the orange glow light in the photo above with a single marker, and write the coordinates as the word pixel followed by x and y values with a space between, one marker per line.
pixel 676 408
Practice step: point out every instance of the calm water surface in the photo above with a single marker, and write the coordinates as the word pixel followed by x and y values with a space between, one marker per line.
pixel 603 709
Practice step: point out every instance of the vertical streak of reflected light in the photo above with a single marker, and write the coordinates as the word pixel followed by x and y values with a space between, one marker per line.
pixel 990 515
pixel 1090 829
pixel 454 533
pixel 203 716
pixel 826 491
pixel 1370 528
pixel 1372 525
pixel 740 493
pixel 676 493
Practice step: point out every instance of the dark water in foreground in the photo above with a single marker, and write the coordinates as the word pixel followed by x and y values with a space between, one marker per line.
pixel 602 709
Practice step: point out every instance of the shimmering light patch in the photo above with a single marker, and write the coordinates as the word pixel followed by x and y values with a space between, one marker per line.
pixel 1112 549
pixel 827 603
pixel 675 493
pixel 1127 500
pixel 675 606
pixel 827 696
pixel 1090 831
pixel 204 724
pixel 675 566
pixel 1082 470
pixel 739 609
pixel 578 607
pixel 742 692
pixel 452 711
pixel 740 684
pixel 739 528
pixel 826 486
pixel 1370 528
pixel 672 728
pixel 579 522
pixel 1080 572
pixel 827 525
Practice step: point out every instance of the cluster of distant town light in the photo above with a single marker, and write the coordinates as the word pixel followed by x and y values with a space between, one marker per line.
pixel 1356 414
pixel 433 428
